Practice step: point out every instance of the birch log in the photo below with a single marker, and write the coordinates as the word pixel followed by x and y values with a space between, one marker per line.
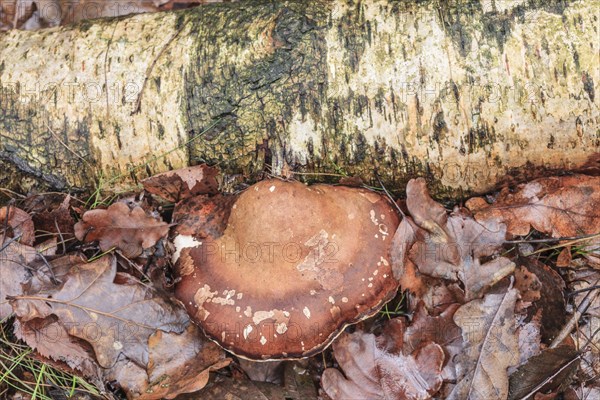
pixel 464 92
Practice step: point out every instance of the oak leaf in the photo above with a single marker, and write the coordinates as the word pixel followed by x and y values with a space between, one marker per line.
pixel 20 222
pixel 373 373
pixel 453 247
pixel 131 231
pixel 490 347
pixel 558 206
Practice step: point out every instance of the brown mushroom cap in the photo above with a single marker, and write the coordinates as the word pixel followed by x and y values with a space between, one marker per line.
pixel 294 265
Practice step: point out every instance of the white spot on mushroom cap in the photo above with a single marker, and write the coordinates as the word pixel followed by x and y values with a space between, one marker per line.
pixel 248 312
pixel 281 328
pixel 306 312
pixel 331 300
pixel 374 219
pixel 384 261
pixel 370 285
pixel 272 189
pixel 240 295
pixel 344 299
pixel 202 296
pixel 247 330
pixel 263 340
pixel 383 229
pixel 222 336
pixel 260 316
pixel 182 242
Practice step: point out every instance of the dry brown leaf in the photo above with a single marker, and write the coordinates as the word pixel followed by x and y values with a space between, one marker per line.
pixel 178 363
pixel 51 340
pixel 551 369
pixel 14 258
pixel 491 347
pixel 51 214
pixel 528 285
pixel 19 222
pixel 131 231
pixel 401 336
pixel 373 373
pixel 449 247
pixel 113 319
pixel 558 206
pixel 552 298
pixel 183 183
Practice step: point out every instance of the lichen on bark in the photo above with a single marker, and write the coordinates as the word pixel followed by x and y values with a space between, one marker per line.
pixel 462 92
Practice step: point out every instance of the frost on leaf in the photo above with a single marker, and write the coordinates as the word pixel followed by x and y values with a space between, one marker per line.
pixel 94 309
pixel 490 347
pixel 372 373
pixel 558 206
pixel 449 246
pixel 14 258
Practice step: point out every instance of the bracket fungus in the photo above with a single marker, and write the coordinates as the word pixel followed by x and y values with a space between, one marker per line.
pixel 287 268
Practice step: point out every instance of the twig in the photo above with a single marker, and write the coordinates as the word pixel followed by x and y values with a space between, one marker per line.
pixel 389 196
pixel 558 246
pixel 585 303
pixel 6 244
pixel 550 240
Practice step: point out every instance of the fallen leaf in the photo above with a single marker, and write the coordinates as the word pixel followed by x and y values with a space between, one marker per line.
pixel 184 183
pixel 170 373
pixel 551 302
pixel 454 247
pixel 401 336
pixel 113 319
pixel 131 231
pixel 562 206
pixel 490 346
pixel 373 373
pixel 528 285
pixel 20 222
pixel 51 340
pixel 530 337
pixel 551 369
pixel 14 258
pixel 51 214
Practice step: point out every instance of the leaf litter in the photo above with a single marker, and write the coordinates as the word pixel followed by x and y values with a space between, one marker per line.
pixel 501 299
